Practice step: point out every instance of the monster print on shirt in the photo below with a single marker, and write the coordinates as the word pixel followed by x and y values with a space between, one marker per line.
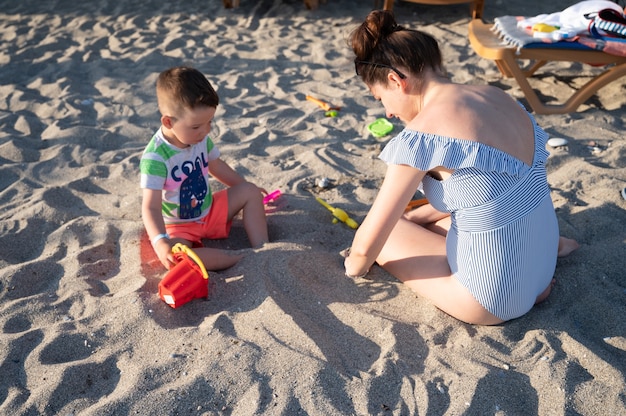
pixel 192 193
pixel 182 175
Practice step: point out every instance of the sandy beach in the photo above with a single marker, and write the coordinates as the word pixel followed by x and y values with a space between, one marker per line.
pixel 284 332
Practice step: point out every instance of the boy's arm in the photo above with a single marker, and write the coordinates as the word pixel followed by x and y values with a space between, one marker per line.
pixel 154 224
pixel 221 171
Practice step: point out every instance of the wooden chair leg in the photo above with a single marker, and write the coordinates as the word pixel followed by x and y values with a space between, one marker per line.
pixel 534 68
pixel 476 9
pixel 509 62
pixel 311 4
pixel 476 6
pixel 489 46
pixel 388 5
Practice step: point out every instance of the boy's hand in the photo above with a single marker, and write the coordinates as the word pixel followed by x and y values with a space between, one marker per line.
pixel 163 250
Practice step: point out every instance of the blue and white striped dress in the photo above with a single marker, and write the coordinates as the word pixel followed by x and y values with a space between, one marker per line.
pixel 503 241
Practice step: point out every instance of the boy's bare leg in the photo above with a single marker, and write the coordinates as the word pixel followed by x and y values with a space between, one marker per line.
pixel 213 258
pixel 217 259
pixel 247 198
pixel 255 223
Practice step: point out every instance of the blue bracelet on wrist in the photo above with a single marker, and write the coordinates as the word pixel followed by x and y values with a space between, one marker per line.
pixel 156 238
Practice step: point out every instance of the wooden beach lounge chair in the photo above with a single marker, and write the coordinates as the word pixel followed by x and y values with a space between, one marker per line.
pixel 488 45
pixel 476 6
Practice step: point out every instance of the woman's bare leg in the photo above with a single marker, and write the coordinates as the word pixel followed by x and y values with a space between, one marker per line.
pixel 431 219
pixel 440 227
pixel 566 246
pixel 425 214
pixel 417 257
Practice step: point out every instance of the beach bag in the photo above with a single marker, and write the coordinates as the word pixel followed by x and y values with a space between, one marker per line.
pixel 186 280
pixel 607 22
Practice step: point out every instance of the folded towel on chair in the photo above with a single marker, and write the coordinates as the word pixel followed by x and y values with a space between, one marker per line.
pixel 570 30
pixel 507 29
pixel 572 19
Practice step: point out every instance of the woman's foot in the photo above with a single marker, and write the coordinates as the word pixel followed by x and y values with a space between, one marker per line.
pixel 546 292
pixel 566 246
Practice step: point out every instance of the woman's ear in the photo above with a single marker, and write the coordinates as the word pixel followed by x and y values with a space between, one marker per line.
pixel 394 79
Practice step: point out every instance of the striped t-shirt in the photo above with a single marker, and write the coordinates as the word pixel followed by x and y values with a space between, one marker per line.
pixel 181 174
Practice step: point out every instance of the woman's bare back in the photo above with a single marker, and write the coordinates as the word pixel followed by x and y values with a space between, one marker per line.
pixel 479 113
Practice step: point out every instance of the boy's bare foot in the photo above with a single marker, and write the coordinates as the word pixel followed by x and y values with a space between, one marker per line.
pixel 566 246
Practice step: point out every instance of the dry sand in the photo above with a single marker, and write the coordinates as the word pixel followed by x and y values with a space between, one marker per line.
pixel 284 332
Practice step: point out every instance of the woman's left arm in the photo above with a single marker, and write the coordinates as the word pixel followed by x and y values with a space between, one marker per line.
pixel 397 189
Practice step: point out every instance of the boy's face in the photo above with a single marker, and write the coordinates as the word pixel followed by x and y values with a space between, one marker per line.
pixel 190 127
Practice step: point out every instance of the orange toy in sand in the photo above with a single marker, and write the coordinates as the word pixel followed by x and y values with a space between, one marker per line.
pixel 416 203
pixel 186 280
pixel 322 104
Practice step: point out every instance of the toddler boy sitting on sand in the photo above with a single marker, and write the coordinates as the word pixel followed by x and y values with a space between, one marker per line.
pixel 178 205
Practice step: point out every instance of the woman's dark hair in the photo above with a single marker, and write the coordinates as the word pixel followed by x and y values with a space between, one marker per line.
pixel 381 45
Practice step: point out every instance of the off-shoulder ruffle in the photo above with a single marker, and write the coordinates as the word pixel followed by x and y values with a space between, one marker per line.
pixel 426 151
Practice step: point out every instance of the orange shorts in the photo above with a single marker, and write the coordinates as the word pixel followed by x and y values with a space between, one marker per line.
pixel 214 225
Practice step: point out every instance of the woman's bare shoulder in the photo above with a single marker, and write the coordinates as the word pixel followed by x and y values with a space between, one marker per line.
pixel 472 113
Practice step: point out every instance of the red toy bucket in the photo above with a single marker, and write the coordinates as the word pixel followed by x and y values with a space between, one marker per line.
pixel 187 280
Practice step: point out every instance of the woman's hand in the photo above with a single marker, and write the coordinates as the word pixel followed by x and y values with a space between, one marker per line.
pixel 396 191
pixel 352 270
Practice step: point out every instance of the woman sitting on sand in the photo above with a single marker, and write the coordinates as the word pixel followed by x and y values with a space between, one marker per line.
pixel 484 249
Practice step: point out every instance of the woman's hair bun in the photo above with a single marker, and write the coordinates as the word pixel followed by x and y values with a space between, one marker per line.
pixel 381 23
pixel 378 25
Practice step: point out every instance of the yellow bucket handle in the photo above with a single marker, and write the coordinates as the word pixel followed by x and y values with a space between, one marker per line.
pixel 179 247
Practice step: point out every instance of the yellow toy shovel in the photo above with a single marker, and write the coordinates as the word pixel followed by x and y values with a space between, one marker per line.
pixel 339 214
